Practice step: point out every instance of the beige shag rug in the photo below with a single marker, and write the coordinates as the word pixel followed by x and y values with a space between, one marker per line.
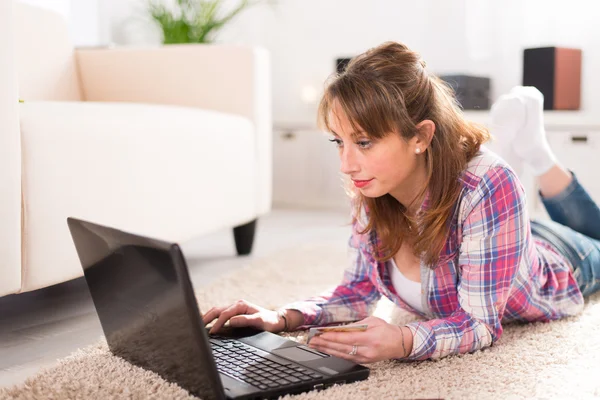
pixel 543 360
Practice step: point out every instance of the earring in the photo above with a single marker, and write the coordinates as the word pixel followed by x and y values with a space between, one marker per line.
pixel 417 150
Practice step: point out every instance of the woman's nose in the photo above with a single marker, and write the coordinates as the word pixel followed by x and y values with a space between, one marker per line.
pixel 348 164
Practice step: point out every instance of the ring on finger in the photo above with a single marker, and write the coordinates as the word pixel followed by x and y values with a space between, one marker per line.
pixel 354 350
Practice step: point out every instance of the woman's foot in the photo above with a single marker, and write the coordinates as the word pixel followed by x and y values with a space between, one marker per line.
pixel 531 144
pixel 517 122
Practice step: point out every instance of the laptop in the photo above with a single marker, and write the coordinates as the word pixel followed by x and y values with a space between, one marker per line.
pixel 148 311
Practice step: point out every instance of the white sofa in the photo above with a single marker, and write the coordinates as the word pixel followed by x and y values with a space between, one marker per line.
pixel 171 142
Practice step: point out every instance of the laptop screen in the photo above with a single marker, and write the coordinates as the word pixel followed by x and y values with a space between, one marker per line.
pixel 140 300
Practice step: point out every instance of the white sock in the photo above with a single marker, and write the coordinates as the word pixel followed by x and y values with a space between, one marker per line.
pixel 531 144
pixel 507 118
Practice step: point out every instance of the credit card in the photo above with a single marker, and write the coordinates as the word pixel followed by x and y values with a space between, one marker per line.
pixel 337 328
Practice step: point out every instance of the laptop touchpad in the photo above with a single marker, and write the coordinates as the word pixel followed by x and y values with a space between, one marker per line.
pixel 299 354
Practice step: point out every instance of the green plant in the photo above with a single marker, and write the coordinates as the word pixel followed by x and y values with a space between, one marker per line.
pixel 193 21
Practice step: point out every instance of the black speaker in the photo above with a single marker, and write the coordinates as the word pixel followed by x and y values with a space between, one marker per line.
pixel 340 64
pixel 472 92
pixel 556 72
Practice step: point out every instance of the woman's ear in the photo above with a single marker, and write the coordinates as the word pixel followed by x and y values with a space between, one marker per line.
pixel 426 130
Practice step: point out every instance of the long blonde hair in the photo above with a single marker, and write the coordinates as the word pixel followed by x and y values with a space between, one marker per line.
pixel 388 89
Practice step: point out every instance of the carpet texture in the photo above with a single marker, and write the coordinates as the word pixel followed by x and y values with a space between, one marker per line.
pixel 542 360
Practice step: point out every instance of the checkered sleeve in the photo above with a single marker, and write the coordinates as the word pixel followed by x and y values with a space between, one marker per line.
pixel 354 299
pixel 493 243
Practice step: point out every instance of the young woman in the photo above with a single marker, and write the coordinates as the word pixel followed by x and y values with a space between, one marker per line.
pixel 440 223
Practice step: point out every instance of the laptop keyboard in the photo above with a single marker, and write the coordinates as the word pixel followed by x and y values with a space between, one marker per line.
pixel 251 365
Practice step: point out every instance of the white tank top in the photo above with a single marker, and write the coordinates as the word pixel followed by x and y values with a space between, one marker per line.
pixel 409 291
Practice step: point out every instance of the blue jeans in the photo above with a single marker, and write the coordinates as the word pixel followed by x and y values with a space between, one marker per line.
pixel 575 232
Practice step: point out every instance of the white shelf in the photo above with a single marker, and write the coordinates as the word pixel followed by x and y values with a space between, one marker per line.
pixel 554 120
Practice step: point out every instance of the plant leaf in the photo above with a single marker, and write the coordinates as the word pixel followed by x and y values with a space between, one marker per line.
pixel 194 21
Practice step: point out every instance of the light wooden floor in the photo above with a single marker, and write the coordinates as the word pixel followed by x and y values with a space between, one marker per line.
pixel 39 327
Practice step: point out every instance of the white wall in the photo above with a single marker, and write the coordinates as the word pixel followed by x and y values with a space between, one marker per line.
pixel 61 6
pixel 470 36
pixel 85 22
pixel 305 36
pixel 82 16
pixel 507 27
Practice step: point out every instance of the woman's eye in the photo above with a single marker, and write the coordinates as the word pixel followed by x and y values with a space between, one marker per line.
pixel 363 144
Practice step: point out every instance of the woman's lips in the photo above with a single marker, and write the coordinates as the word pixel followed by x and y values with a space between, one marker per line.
pixel 361 184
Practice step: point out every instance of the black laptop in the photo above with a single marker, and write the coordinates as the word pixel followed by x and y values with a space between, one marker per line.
pixel 146 305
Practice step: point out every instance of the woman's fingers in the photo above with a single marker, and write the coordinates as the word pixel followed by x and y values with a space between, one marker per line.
pixel 342 351
pixel 350 338
pixel 239 307
pixel 211 314
pixel 254 321
pixel 326 345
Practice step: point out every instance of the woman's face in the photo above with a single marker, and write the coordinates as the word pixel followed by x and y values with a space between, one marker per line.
pixel 378 166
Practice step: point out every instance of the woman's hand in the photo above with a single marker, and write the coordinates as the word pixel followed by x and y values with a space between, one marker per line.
pixel 242 313
pixel 381 341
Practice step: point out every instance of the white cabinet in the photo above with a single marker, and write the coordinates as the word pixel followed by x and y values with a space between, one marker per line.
pixel 289 159
pixel 579 150
pixel 306 170
pixel 576 149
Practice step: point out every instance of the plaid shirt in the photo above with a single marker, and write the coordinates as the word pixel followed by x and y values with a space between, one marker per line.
pixel 491 270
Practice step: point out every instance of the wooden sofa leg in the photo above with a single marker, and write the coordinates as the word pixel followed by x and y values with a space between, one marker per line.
pixel 244 237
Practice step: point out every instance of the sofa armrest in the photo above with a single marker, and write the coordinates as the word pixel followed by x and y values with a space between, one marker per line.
pixel 10 158
pixel 141 168
pixel 225 78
